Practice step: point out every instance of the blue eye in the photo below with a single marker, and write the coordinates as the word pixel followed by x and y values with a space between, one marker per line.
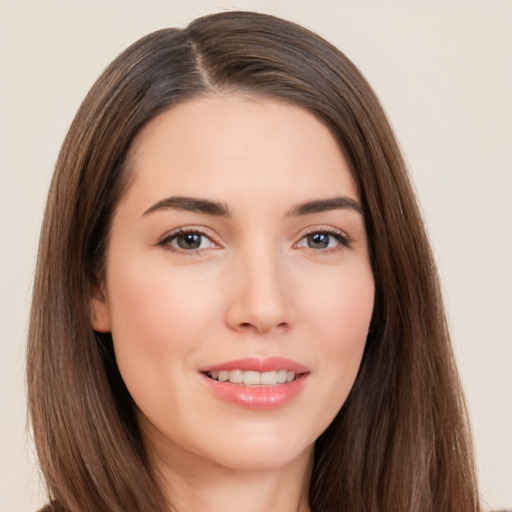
pixel 319 240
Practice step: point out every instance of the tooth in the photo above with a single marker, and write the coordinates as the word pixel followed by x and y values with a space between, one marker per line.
pixel 236 376
pixel 252 378
pixel 269 378
pixel 281 376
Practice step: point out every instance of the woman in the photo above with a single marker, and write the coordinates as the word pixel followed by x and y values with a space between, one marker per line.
pixel 235 302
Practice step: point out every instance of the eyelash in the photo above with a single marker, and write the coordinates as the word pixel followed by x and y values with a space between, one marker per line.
pixel 339 236
pixel 166 241
pixel 342 238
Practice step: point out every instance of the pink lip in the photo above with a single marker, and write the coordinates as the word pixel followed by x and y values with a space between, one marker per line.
pixel 268 397
pixel 258 365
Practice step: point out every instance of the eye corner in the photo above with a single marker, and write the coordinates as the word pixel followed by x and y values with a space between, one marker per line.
pixel 188 241
pixel 324 240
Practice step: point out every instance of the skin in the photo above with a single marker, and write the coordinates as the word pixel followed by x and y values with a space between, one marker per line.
pixel 257 286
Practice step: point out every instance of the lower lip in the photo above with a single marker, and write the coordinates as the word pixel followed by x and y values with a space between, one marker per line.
pixel 257 397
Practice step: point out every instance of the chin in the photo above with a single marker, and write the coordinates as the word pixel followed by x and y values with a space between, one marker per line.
pixel 261 458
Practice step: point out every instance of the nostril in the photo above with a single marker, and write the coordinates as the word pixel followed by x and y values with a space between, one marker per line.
pixel 261 328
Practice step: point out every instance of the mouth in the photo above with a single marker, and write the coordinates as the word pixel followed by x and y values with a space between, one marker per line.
pixel 253 378
pixel 255 383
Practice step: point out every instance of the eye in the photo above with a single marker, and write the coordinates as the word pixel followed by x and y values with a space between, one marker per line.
pixel 321 240
pixel 189 241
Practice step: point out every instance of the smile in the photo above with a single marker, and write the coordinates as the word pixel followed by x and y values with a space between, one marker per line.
pixel 255 383
pixel 253 378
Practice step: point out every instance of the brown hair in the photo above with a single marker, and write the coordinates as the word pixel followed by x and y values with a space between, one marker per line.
pixel 401 441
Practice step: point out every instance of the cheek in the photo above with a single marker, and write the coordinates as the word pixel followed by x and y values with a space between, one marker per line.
pixel 154 307
pixel 342 306
pixel 341 315
pixel 158 321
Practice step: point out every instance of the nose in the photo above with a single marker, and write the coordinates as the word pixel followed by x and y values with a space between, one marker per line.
pixel 260 298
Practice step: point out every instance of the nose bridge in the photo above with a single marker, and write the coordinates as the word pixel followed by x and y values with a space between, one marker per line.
pixel 261 300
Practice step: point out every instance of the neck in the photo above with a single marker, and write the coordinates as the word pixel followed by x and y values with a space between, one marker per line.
pixel 193 484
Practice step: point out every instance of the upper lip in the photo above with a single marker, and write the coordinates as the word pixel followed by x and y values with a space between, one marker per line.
pixel 255 364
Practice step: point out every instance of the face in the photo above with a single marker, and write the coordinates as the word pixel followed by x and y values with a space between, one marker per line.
pixel 238 287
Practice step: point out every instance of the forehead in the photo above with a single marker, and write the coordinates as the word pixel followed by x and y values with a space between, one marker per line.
pixel 202 145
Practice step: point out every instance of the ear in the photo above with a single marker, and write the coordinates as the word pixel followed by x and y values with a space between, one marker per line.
pixel 100 310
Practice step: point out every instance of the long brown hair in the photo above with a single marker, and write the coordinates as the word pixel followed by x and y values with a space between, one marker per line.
pixel 401 441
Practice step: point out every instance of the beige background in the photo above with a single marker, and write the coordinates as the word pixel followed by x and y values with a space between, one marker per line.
pixel 443 70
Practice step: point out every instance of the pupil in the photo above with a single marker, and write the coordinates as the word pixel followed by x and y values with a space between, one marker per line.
pixel 189 241
pixel 318 241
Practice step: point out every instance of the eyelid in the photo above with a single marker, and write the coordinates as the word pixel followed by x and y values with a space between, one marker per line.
pixel 342 237
pixel 165 240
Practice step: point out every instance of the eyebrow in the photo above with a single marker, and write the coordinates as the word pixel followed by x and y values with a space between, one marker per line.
pixel 322 205
pixel 190 204
pixel 197 205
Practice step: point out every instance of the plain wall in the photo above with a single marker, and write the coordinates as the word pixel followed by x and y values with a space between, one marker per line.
pixel 443 71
